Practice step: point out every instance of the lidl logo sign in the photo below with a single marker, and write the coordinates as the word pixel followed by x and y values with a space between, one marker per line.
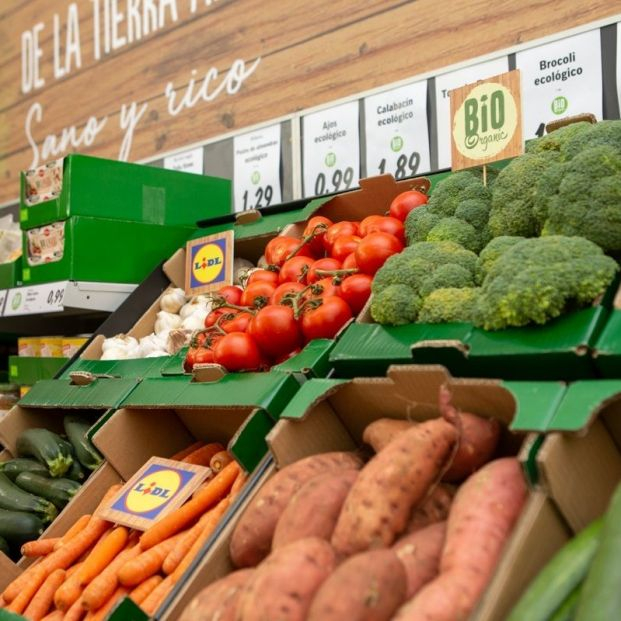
pixel 209 263
pixel 160 486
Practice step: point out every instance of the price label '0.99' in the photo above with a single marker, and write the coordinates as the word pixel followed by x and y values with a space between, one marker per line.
pixel 337 181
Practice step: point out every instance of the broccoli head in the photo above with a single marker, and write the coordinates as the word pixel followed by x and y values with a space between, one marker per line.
pixel 588 201
pixel 435 254
pixel 536 279
pixel 604 133
pixel 448 193
pixel 395 305
pixel 555 141
pixel 474 211
pixel 419 222
pixel 449 305
pixel 513 195
pixel 491 253
pixel 449 275
pixel 456 230
pixel 401 269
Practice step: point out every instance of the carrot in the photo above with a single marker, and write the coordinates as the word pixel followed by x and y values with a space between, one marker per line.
pixel 73 569
pixel 138 569
pixel 202 456
pixel 103 554
pixel 102 613
pixel 55 615
pixel 11 592
pixel 142 591
pixel 240 481
pixel 97 593
pixel 175 556
pixel 191 510
pixel 76 612
pixel 68 592
pixel 151 603
pixel 41 602
pixel 27 590
pixel 78 525
pixel 39 547
pixel 219 460
pixel 181 455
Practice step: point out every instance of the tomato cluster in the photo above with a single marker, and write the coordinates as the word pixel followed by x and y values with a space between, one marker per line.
pixel 312 287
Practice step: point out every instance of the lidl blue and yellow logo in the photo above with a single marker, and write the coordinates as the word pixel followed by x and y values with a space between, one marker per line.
pixel 209 263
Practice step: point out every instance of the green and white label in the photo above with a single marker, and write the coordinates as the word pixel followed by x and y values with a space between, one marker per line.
pixel 188 161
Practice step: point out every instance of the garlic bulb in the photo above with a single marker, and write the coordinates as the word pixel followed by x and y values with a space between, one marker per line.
pixel 172 300
pixel 195 321
pixel 114 353
pixel 198 302
pixel 240 264
pixel 120 341
pixel 166 321
pixel 177 339
pixel 152 342
pixel 244 275
pixel 157 353
pixel 262 262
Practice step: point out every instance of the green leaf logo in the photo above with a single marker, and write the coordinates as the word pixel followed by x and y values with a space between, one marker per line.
pixel 330 159
pixel 255 177
pixel 560 104
pixel 396 143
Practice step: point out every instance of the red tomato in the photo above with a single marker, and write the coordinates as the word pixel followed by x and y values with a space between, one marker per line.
pixel 257 294
pixel 190 359
pixel 323 322
pixel 204 355
pixel 345 227
pixel 327 264
pixel 325 288
pixel 344 245
pixel 263 276
pixel 356 290
pixel 405 202
pixel 238 321
pixel 231 294
pixel 374 249
pixel 275 330
pixel 295 270
pixel 211 319
pixel 350 262
pixel 317 243
pixel 383 224
pixel 282 290
pixel 278 249
pixel 237 351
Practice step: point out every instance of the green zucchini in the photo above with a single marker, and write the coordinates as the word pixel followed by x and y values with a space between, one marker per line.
pixel 18 527
pixel 46 446
pixel 76 428
pixel 22 464
pixel 4 546
pixel 13 498
pixel 567 609
pixel 600 599
pixel 57 491
pixel 559 577
pixel 76 472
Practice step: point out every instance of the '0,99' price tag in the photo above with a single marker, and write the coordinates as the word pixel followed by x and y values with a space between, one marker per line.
pixel 331 150
pixel 46 298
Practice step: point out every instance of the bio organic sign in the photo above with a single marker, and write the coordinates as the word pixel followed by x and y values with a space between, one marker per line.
pixel 486 121
pixel 209 263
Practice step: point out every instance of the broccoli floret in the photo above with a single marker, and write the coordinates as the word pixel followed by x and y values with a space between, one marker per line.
pixel 513 195
pixel 475 212
pixel 448 193
pixel 401 269
pixel 536 279
pixel 419 222
pixel 456 230
pixel 491 253
pixel 448 305
pixel 395 305
pixel 449 275
pixel 477 191
pixel 588 202
pixel 546 189
pixel 605 133
pixel 434 254
pixel 556 140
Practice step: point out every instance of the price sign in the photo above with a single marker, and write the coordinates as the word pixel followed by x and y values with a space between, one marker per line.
pixel 256 168
pixel 396 131
pixel 560 79
pixel 331 153
pixel 487 124
pixel 188 161
pixel 47 298
pixel 3 294
pixel 450 81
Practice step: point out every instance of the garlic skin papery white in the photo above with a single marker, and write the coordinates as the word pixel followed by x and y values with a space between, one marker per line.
pixel 173 300
pixel 177 339
pixel 199 302
pixel 114 353
pixel 239 266
pixel 195 321
pixel 120 341
pixel 244 275
pixel 152 342
pixel 262 262
pixel 157 353
pixel 166 321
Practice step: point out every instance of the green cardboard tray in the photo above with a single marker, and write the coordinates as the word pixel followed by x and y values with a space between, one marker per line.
pixel 137 368
pixel 11 274
pixel 26 370
pixel 607 349
pixel 104 188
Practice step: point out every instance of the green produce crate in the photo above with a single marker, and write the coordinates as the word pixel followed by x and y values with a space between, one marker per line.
pixel 607 349
pixel 11 274
pixel 102 188
pixel 26 370
pixel 104 250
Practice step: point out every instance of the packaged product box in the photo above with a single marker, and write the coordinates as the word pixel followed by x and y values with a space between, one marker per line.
pixel 51 346
pixel 11 273
pixel 24 390
pixel 28 371
pixel 80 185
pixel 329 414
pixel 71 345
pixel 29 346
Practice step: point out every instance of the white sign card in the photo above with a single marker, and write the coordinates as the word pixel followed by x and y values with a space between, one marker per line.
pixel 256 168
pixel 331 153
pixel 46 298
pixel 452 80
pixel 188 161
pixel 560 79
pixel 396 130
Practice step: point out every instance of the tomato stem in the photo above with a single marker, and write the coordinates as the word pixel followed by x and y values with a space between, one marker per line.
pixel 320 229
pixel 337 273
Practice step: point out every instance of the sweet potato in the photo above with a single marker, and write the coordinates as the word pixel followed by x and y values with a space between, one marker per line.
pixel 420 554
pixel 382 431
pixel 368 586
pixel 219 600
pixel 252 537
pixel 482 517
pixel 435 508
pixel 315 508
pixel 381 500
pixel 477 444
pixel 283 586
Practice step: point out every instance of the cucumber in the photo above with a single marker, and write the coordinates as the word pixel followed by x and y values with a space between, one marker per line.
pixel 600 599
pixel 568 608
pixel 559 577
pixel 57 491
pixel 4 546
pixel 17 527
pixel 13 498
pixel 76 472
pixel 22 464
pixel 76 428
pixel 46 446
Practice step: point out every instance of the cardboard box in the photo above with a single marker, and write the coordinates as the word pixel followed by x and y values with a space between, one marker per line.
pixel 11 274
pixel 101 188
pixel 27 371
pixel 29 346
pixel 51 346
pixel 327 415
pixel 607 349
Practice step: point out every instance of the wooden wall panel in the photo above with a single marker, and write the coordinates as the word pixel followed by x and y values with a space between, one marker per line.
pixel 310 53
